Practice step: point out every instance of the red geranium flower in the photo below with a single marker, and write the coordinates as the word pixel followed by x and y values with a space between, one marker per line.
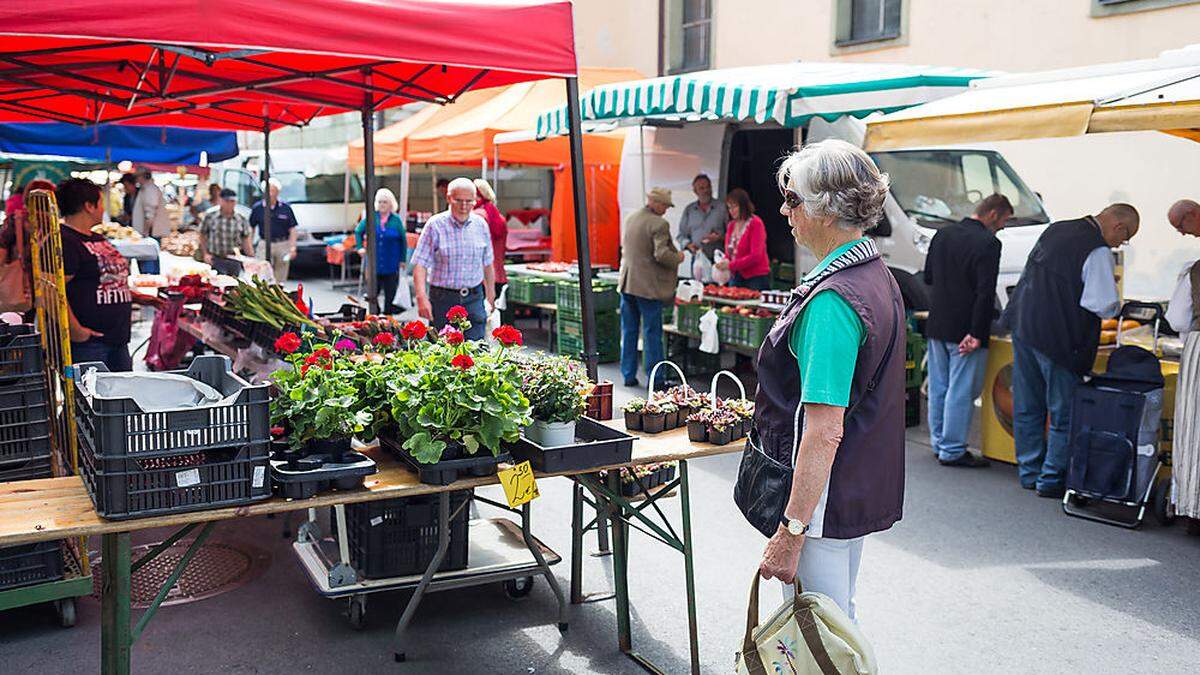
pixel 463 361
pixel 507 336
pixel 453 335
pixel 456 313
pixel 287 343
pixel 385 339
pixel 414 330
pixel 277 431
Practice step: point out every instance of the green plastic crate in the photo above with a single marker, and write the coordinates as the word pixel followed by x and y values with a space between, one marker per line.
pixel 530 290
pixel 743 331
pixel 914 354
pixel 608 336
pixel 604 297
pixel 687 317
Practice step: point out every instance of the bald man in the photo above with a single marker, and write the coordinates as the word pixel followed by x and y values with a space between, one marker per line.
pixel 1068 286
pixel 1184 216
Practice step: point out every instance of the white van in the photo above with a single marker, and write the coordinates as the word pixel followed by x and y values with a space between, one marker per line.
pixel 314 182
pixel 930 187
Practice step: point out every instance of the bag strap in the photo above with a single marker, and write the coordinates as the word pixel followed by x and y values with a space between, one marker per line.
pixel 805 620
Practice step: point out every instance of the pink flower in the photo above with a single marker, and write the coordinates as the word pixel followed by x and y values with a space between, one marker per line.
pixel 452 335
pixel 345 345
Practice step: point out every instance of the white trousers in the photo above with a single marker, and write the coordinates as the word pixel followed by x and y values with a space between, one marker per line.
pixel 830 567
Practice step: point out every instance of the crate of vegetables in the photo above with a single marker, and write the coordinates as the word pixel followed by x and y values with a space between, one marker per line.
pixel 731 293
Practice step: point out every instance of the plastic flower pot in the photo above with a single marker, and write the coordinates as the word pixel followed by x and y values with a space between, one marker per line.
pixel 671 421
pixel 697 432
pixel 551 434
pixel 719 436
pixel 334 448
pixel 633 421
pixel 654 423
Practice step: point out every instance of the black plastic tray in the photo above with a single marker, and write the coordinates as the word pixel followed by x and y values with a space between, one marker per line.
pixel 446 471
pixel 304 483
pixel 595 445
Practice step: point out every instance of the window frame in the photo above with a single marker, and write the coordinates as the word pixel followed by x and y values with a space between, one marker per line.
pixel 842 43
pixel 673 30
pixel 1101 8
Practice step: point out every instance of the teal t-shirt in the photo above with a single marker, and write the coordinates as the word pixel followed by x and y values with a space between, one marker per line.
pixel 825 340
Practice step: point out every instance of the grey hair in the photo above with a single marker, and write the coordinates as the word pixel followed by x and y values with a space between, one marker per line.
pixel 384 194
pixel 461 183
pixel 836 180
pixel 274 182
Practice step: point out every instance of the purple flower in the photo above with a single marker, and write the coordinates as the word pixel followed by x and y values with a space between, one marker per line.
pixel 345 345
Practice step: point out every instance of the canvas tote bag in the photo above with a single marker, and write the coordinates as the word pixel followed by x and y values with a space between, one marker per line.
pixel 810 635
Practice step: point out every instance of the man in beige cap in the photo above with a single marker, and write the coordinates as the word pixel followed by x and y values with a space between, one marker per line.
pixel 649 271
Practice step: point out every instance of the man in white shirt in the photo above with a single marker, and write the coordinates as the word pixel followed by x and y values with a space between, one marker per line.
pixel 150 216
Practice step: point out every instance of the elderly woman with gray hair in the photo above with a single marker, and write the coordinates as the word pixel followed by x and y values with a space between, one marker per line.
pixel 391 247
pixel 824 466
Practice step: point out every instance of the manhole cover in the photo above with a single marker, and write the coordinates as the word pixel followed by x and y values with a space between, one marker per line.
pixel 216 568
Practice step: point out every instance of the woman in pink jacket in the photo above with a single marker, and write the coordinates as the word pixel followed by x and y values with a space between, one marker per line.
pixel 745 244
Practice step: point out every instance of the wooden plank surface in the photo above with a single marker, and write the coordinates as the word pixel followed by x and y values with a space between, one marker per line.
pixel 53 508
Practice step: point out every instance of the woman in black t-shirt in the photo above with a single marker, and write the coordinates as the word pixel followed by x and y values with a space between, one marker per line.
pixel 99 301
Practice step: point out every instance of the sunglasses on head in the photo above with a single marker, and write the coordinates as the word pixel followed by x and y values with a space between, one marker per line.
pixel 791 199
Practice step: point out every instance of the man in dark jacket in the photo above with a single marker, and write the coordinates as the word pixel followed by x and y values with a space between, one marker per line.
pixel 961 268
pixel 1067 287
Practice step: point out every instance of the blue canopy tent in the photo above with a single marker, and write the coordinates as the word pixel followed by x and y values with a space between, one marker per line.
pixel 115 143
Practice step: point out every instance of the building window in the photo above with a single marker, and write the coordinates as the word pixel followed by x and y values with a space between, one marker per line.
pixel 1102 8
pixel 868 21
pixel 687 35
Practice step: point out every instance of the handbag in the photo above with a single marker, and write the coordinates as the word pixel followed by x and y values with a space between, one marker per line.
pixel 807 635
pixel 764 484
pixel 14 288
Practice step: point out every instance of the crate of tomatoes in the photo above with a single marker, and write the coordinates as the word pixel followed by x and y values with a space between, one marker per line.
pixel 731 292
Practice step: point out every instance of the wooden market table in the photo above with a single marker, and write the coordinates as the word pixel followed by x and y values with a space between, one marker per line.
pixel 54 508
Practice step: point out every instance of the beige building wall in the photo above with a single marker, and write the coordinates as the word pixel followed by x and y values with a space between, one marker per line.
pixel 617 34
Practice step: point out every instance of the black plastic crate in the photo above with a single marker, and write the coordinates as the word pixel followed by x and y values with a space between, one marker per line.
pixel 27 564
pixel 118 426
pixel 24 421
pixel 595 445
pixel 20 351
pixel 152 485
pixel 34 467
pixel 399 537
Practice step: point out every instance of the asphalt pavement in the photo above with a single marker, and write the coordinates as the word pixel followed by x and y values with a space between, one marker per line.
pixel 980 576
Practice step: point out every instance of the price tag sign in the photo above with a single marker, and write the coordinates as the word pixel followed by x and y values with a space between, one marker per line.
pixel 519 484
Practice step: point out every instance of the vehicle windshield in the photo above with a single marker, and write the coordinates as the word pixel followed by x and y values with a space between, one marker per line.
pixel 936 187
pixel 328 188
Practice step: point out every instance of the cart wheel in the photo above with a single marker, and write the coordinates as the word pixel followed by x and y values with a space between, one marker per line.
pixel 66 612
pixel 516 589
pixel 1160 502
pixel 356 609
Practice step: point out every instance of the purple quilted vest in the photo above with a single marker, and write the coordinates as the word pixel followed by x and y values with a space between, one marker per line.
pixel 866 484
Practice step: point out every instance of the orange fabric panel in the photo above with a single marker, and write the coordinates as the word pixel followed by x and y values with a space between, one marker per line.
pixel 597 149
pixel 604 215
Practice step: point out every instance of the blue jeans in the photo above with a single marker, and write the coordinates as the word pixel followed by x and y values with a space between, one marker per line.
pixel 649 313
pixel 1040 388
pixel 442 300
pixel 116 357
pixel 954 384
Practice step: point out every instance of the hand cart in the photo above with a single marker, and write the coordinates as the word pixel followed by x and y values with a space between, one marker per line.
pixel 62 592
pixel 500 551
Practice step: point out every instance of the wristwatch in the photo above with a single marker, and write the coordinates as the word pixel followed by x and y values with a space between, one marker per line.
pixel 794 526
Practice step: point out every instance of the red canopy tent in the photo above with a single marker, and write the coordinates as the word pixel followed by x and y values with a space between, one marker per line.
pixel 237 64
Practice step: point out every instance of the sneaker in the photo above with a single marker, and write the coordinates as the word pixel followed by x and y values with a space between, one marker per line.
pixel 632 383
pixel 1055 492
pixel 966 460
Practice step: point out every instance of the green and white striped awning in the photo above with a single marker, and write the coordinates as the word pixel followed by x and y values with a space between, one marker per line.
pixel 788 93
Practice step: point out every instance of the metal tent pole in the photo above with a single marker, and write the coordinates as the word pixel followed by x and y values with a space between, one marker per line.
pixel 267 215
pixel 586 305
pixel 368 125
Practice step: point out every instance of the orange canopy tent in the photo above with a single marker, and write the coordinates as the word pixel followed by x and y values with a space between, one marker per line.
pixel 464 133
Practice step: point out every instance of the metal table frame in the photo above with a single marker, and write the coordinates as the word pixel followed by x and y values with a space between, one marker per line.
pixel 643 514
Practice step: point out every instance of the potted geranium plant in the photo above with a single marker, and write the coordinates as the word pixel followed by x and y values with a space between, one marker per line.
pixel 557 389
pixel 451 398
pixel 317 402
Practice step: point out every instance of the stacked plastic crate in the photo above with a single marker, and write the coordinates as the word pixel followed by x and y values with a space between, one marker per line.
pixel 606 304
pixel 25 447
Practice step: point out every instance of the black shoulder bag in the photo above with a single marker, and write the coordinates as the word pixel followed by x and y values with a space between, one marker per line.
pixel 764 485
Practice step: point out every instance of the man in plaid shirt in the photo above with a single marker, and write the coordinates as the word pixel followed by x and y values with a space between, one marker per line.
pixel 225 232
pixel 454 255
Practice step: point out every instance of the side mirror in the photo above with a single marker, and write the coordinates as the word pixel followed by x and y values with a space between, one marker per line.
pixel 883 228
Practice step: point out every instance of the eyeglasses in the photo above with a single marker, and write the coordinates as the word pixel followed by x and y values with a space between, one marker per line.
pixel 791 199
pixel 462 201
